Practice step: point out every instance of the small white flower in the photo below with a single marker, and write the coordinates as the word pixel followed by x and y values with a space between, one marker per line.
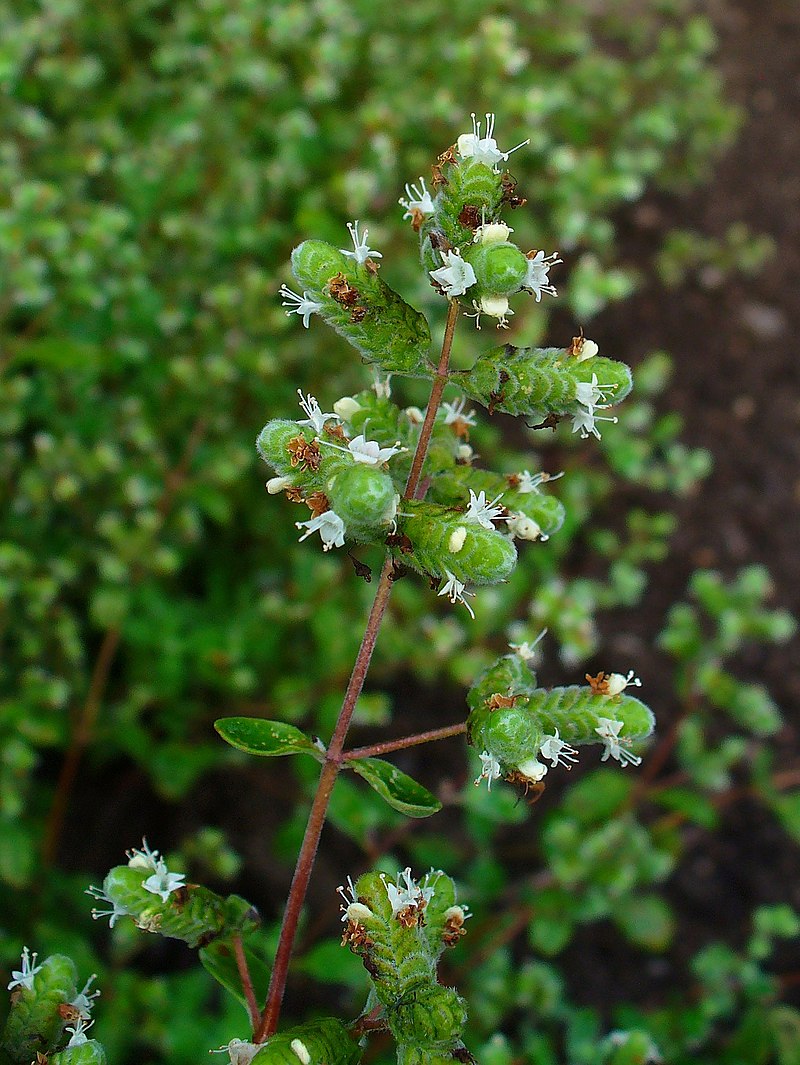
pixel 494 307
pixel 526 650
pixel 361 252
pixel 528 482
pixel 617 682
pixel 454 590
pixel 300 1050
pixel 113 914
pixel 557 752
pixel 329 526
pixel 588 350
pixel 524 528
pixel 406 891
pixel 304 305
pixel 315 416
pixel 78 1032
pixel 479 512
pixel 418 199
pixel 371 453
pixel 84 1001
pixel 415 415
pixel 490 769
pixel 353 910
pixel 608 731
pixel 382 386
pixel 454 412
pixel 24 977
pixel 456 276
pixel 492 233
pixel 163 882
pixel 532 769
pixel 144 858
pixel 464 453
pixel 483 149
pixel 278 484
pixel 592 394
pixel 346 407
pixel 537 280
pixel 584 422
pixel 239 1052
pixel 457 540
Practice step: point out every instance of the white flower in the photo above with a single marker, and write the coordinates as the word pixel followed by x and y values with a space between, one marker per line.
pixel 454 412
pixel 532 769
pixel 277 484
pixel 24 977
pixel 312 409
pixel 418 199
pixel 113 914
pixel 557 752
pixel 524 528
pixel 454 590
pixel 361 252
pixel 346 407
pixel 608 731
pixel 84 1001
pixel 479 512
pixel 528 482
pixel 483 149
pixel 144 858
pixel 78 1029
pixel 536 280
pixel 368 452
pixel 587 350
pixel 490 769
pixel 329 526
pixel 525 650
pixel 584 422
pixel 406 891
pixel 239 1052
pixel 382 386
pixel 495 307
pixel 592 394
pixel 456 276
pixel 492 233
pixel 457 539
pixel 617 683
pixel 353 910
pixel 163 882
pixel 304 305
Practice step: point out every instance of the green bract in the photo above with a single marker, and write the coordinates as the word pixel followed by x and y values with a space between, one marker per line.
pixel 34 1023
pixel 441 541
pixel 89 1053
pixel 364 498
pixel 500 268
pixel 324 1040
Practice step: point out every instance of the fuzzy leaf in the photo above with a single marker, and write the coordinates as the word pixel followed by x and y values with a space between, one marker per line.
pixel 397 788
pixel 256 735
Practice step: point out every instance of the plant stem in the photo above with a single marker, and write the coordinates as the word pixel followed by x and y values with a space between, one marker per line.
pixel 406 741
pixel 333 758
pixel 247 982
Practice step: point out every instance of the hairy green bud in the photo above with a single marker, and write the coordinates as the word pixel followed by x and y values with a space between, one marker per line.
pixel 500 268
pixel 439 540
pixel 361 307
pixel 35 1024
pixel 535 382
pixel 365 499
pixel 324 1040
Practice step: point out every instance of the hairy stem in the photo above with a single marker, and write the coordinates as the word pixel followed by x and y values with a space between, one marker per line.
pixel 247 982
pixel 334 755
pixel 406 741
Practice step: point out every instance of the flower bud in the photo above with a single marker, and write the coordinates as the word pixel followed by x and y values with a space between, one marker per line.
pixel 500 268
pixel 365 499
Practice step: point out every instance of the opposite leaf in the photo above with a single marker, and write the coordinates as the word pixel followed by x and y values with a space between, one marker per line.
pixel 256 735
pixel 397 788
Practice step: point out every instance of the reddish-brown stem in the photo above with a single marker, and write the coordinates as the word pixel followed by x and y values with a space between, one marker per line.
pixel 87 716
pixel 247 983
pixel 333 757
pixel 406 741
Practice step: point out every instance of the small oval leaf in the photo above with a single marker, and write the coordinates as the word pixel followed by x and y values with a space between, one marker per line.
pixel 256 735
pixel 397 788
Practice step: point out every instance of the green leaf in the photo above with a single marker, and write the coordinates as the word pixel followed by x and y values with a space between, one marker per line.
pixel 327 963
pixel 397 788
pixel 784 1022
pixel 646 921
pixel 692 804
pixel 219 960
pixel 256 735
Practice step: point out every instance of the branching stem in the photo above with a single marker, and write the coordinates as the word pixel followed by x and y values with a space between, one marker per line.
pixel 406 741
pixel 334 755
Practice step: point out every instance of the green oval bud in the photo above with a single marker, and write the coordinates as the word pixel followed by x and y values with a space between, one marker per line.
pixel 324 1040
pixel 89 1053
pixel 274 444
pixel 431 1017
pixel 364 498
pixel 500 268
pixel 443 541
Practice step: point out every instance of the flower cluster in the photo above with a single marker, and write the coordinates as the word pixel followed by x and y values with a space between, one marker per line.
pixel 590 397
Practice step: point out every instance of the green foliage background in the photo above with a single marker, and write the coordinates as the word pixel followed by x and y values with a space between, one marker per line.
pixel 158 162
